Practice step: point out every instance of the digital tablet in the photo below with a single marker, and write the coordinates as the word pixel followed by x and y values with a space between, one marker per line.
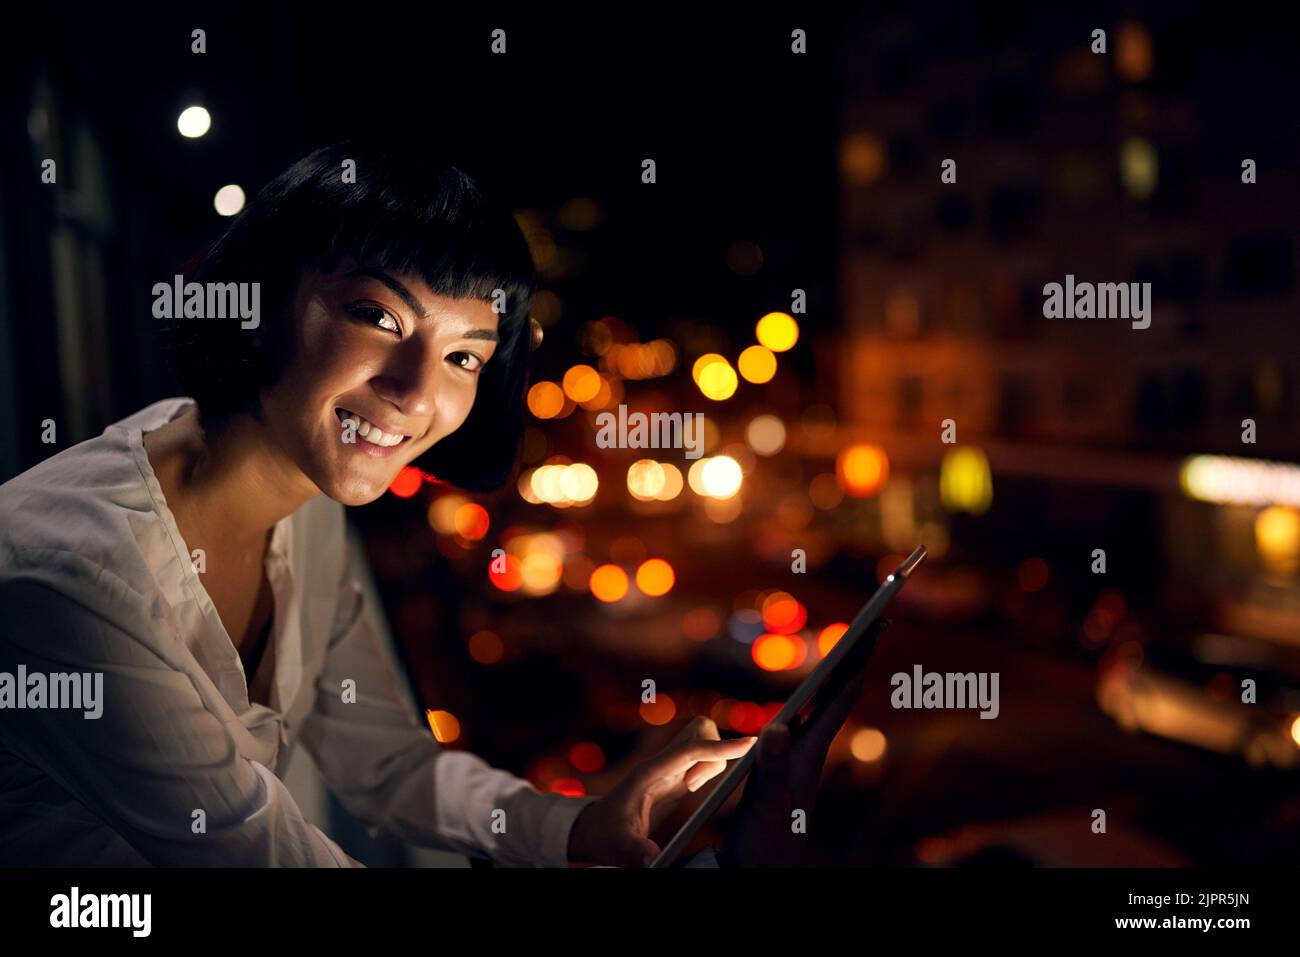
pixel 849 656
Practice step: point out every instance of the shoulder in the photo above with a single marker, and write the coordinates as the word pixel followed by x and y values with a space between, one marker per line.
pixel 82 522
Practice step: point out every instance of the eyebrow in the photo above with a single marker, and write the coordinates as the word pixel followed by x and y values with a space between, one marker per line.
pixel 405 295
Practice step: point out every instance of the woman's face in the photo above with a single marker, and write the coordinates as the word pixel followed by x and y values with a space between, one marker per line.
pixel 381 360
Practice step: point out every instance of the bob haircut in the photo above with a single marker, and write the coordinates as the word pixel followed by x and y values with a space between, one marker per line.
pixel 405 214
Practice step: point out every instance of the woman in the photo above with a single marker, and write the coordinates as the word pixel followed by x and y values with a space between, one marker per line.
pixel 194 555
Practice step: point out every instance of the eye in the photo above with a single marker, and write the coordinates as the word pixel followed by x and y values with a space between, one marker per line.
pixel 375 315
pixel 466 360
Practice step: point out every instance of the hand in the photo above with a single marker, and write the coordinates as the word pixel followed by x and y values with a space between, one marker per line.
pixel 616 828
pixel 788 772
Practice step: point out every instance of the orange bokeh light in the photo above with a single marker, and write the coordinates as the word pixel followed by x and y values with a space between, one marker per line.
pixel 407 482
pixel 660 711
pixel 608 583
pixel 776 652
pixel 511 578
pixel 862 469
pixel 829 636
pixel 471 521
pixel 655 577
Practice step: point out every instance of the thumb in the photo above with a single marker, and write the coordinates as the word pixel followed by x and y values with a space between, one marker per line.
pixel 634 851
pixel 774 750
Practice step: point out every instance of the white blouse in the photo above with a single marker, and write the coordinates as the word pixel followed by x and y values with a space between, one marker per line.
pixel 95 578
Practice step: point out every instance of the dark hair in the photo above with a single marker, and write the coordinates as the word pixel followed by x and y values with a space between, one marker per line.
pixel 407 214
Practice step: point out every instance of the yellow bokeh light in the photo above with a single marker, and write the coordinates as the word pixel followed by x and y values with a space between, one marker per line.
pixel 707 359
pixel 965 481
pixel 777 331
pixel 718 380
pixel 1277 538
pixel 757 364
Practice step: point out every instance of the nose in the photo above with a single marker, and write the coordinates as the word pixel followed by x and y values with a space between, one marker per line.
pixel 407 381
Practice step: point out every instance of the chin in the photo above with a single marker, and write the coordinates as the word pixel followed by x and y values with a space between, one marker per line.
pixel 355 486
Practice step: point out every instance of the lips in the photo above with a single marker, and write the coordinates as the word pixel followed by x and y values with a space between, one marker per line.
pixel 368 430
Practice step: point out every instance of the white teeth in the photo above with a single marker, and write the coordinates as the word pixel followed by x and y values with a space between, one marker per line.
pixel 371 433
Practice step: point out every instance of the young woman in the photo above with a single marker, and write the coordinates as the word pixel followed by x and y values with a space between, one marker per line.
pixel 193 555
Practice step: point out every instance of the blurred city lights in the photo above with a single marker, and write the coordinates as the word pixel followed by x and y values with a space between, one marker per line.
pixel 1139 167
pixel 757 364
pixel 545 400
pixel 645 479
pixel 560 484
pixel 471 521
pixel 862 469
pixel 718 380
pixel 828 636
pixel 777 331
pixel 776 652
pixel 745 625
pixel 765 434
pixel 582 383
pixel 587 757
pixel 655 577
pixel 1277 538
pixel 660 711
pixel 444 725
pixel 965 481
pixel 1226 480
pixel 229 200
pixel 193 122
pixel 720 477
pixel 705 360
pixel 867 745
pixel 509 577
pixel 608 583
pixel 407 482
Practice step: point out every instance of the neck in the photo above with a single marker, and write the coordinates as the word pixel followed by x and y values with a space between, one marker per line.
pixel 241 478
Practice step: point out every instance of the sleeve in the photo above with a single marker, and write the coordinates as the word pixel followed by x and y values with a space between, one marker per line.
pixel 155 754
pixel 386 767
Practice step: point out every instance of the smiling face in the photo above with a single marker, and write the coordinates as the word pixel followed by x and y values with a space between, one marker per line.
pixel 381 359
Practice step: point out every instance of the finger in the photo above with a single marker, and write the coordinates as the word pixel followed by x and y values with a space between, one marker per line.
pixel 702 773
pixel 701 728
pixel 680 759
